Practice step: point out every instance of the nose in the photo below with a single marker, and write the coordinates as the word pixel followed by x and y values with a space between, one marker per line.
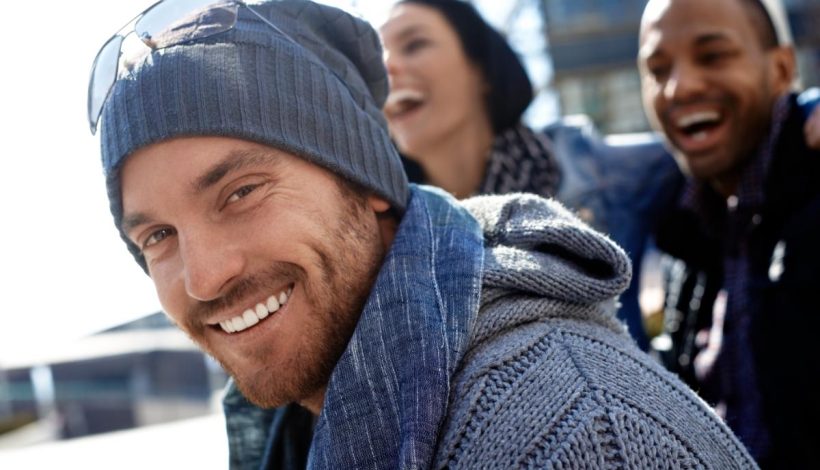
pixel 392 63
pixel 685 83
pixel 211 263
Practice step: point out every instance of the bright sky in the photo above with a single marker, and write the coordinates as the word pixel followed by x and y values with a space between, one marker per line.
pixel 64 271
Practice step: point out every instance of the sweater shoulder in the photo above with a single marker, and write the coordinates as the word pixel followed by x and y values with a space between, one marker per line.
pixel 565 392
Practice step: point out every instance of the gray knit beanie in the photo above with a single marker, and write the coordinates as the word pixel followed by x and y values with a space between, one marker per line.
pixel 315 92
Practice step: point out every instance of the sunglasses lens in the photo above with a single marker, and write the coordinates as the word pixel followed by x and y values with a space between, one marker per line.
pixel 165 24
pixel 103 75
pixel 168 23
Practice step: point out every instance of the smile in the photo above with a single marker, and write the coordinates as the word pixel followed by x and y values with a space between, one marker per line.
pixel 261 311
pixel 698 124
pixel 698 130
pixel 402 102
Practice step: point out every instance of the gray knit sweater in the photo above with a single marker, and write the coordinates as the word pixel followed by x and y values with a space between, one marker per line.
pixel 551 379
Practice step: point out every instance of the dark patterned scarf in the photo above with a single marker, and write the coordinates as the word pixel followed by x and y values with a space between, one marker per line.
pixel 521 160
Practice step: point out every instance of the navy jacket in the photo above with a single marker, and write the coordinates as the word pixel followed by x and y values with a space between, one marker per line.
pixel 785 277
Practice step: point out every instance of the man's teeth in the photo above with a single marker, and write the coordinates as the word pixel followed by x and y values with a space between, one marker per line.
pixel 700 136
pixel 252 316
pixel 701 117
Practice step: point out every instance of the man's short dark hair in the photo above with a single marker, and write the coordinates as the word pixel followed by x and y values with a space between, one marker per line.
pixel 762 23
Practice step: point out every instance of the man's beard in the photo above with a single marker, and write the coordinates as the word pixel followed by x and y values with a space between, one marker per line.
pixel 350 255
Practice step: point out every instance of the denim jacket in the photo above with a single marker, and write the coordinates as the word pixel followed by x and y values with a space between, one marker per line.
pixel 620 185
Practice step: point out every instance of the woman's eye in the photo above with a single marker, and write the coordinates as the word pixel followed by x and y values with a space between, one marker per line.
pixel 158 236
pixel 414 45
pixel 241 192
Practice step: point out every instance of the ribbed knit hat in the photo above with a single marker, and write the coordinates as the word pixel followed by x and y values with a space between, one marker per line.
pixel 315 91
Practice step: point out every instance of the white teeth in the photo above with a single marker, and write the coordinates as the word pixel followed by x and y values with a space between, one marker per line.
pixel 252 316
pixel 261 311
pixel 698 118
pixel 227 325
pixel 700 136
pixel 238 323
pixel 402 95
pixel 272 304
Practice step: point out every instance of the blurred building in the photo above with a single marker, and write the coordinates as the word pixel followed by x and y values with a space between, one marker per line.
pixel 594 44
pixel 140 373
pixel 804 18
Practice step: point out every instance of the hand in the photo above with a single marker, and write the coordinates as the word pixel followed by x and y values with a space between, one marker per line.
pixel 812 129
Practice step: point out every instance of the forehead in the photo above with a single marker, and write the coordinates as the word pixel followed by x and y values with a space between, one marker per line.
pixel 190 155
pixel 407 18
pixel 182 167
pixel 681 23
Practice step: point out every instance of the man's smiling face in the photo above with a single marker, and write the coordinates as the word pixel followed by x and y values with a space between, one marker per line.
pixel 262 258
pixel 709 84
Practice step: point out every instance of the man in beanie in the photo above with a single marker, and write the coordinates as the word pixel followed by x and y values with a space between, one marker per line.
pixel 741 308
pixel 251 175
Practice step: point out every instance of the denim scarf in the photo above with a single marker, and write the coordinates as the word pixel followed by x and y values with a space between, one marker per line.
pixel 388 395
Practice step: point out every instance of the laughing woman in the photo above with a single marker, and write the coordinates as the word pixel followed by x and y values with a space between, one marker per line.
pixel 457 94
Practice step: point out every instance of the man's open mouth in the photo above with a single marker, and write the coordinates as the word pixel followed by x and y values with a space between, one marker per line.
pixel 699 124
pixel 261 311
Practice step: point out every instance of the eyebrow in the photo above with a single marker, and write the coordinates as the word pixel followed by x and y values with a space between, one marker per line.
pixel 710 38
pixel 409 31
pixel 133 220
pixel 233 161
pixel 700 41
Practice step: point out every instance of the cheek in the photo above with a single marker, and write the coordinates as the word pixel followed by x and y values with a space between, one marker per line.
pixel 170 291
pixel 653 103
pixel 462 95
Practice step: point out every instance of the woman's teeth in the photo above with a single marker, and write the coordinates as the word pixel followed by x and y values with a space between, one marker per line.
pixel 252 316
pixel 401 101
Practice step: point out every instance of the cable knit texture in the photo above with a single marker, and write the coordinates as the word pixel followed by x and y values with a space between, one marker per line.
pixel 550 378
pixel 489 341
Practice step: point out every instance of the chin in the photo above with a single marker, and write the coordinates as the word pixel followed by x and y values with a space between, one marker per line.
pixel 263 392
pixel 405 144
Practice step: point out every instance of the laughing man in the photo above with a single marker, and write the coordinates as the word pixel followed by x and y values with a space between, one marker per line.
pixel 717 78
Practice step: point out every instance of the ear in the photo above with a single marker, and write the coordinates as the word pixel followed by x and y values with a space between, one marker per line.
pixel 386 221
pixel 378 204
pixel 783 69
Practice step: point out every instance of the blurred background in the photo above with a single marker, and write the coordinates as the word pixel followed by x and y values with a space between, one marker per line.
pixel 84 348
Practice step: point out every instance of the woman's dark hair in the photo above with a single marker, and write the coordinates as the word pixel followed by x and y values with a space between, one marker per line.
pixel 510 87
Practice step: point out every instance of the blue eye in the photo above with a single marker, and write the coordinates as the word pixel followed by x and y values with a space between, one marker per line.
pixel 158 236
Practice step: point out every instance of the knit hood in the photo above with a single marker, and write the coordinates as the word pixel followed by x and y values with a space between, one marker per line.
pixel 550 378
pixel 536 250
